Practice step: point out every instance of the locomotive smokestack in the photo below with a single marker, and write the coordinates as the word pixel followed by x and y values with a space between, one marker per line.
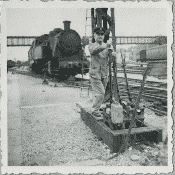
pixel 66 25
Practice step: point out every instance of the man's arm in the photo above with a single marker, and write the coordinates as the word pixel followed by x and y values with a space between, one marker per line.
pixel 94 49
pixel 113 52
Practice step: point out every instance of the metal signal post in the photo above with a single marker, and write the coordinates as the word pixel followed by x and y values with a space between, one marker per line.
pixel 110 75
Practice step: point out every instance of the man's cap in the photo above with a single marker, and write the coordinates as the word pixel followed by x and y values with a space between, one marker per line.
pixel 99 30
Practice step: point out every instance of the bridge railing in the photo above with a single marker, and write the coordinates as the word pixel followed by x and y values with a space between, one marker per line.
pixel 27 40
pixel 13 41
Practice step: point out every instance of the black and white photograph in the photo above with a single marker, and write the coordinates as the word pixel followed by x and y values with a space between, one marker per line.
pixel 86 87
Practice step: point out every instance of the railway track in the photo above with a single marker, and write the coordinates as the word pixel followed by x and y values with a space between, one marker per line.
pixel 156 97
pixel 131 71
pixel 147 83
pixel 155 93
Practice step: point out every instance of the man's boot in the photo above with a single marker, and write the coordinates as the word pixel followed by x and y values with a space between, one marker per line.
pixel 97 114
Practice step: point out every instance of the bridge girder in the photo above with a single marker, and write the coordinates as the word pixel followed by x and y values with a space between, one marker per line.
pixel 20 41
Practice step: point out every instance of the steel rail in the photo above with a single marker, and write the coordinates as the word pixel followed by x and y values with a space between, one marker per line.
pixel 147 95
pixel 146 87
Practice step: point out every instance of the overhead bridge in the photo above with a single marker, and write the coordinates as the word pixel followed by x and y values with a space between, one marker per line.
pixel 14 41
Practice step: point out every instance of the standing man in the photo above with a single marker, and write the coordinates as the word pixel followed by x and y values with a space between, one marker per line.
pixel 46 69
pixel 47 55
pixel 99 69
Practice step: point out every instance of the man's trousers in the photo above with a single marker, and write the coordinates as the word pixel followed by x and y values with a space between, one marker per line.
pixel 98 89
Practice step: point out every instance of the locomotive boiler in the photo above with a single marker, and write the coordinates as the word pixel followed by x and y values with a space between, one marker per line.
pixel 63 48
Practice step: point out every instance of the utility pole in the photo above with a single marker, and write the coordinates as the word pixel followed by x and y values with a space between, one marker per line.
pixel 113 29
pixel 92 23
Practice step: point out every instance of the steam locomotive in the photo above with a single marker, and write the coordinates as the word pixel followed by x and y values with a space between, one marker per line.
pixel 63 48
pixel 156 53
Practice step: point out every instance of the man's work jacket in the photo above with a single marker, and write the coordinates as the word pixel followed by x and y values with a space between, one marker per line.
pixel 99 61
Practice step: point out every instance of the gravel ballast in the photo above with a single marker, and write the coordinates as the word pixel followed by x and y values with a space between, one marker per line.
pixel 53 133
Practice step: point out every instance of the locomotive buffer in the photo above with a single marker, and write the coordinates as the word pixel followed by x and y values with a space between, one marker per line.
pixel 122 122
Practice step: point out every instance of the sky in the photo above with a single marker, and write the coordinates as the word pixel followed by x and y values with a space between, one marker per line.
pixel 35 22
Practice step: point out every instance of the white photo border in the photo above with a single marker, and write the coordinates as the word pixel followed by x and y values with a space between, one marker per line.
pixel 85 170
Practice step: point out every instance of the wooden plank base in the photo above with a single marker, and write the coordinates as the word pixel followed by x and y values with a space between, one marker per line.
pixel 115 139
